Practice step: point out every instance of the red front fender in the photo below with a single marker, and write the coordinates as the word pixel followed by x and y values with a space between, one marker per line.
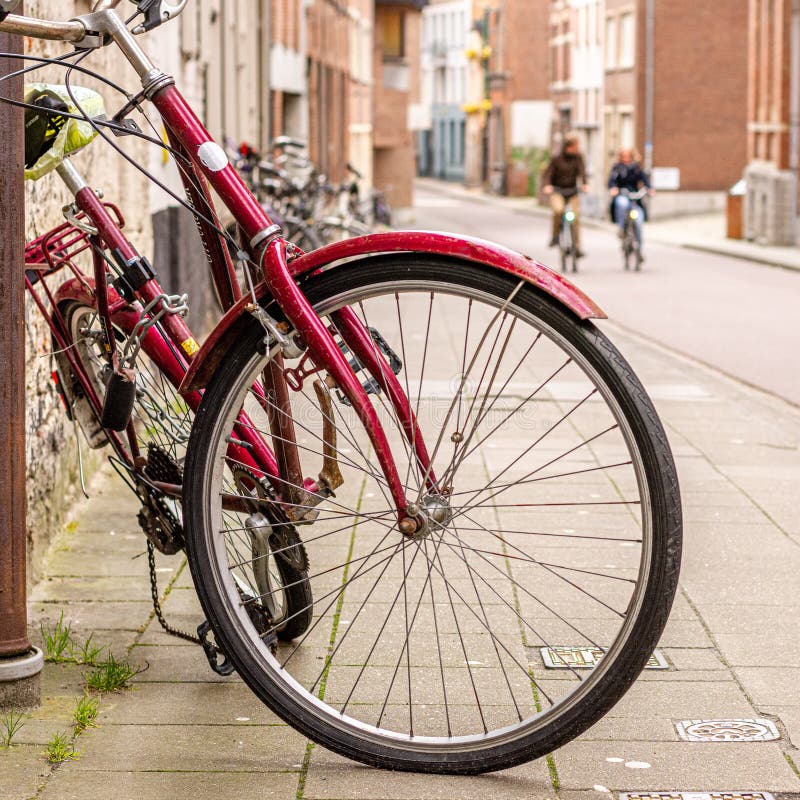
pixel 340 254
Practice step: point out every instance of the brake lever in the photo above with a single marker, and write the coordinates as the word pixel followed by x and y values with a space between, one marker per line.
pixel 157 12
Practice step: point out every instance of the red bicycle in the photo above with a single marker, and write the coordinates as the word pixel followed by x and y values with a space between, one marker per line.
pixel 495 483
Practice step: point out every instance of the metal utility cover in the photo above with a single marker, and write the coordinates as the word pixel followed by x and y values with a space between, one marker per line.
pixel 587 658
pixel 696 796
pixel 727 730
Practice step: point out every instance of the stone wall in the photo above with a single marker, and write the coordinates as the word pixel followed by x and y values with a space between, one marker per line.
pixel 52 465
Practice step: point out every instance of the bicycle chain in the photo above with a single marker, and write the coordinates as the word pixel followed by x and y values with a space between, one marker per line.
pixel 151 560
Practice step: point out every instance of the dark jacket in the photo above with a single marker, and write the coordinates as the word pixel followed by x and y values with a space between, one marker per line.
pixel 628 176
pixel 631 177
pixel 565 172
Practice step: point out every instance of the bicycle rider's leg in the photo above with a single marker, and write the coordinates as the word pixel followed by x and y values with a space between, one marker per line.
pixel 622 207
pixel 557 205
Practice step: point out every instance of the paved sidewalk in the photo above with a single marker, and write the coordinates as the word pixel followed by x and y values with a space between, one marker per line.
pixel 733 645
pixel 703 232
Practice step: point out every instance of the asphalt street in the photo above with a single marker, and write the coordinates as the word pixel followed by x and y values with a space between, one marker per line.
pixel 738 317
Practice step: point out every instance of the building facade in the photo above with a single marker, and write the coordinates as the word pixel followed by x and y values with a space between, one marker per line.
pixel 441 143
pixel 577 86
pixel 773 128
pixel 519 79
pixel 396 59
pixel 677 95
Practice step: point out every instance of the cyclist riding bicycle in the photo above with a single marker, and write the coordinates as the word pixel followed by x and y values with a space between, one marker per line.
pixel 564 179
pixel 627 177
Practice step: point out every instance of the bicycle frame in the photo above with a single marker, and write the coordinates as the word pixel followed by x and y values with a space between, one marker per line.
pixel 192 141
pixel 193 145
pixel 170 345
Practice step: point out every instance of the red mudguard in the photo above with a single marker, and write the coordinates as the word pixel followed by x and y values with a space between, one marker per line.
pixel 342 254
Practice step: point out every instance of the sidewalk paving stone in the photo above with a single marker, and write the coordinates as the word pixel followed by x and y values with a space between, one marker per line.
pixel 695 766
pixel 198 748
pixel 331 777
pixel 173 784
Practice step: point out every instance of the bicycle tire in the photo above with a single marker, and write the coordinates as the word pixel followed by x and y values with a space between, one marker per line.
pixel 316 710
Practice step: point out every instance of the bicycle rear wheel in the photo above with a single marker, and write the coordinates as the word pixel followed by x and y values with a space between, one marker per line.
pixel 559 525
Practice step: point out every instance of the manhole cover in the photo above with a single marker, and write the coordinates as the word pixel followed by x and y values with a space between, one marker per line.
pixel 587 658
pixel 727 730
pixel 696 796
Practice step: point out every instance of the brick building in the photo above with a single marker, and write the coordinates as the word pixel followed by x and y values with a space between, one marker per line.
pixel 678 95
pixel 577 83
pixel 773 131
pixel 398 29
pixel 288 78
pixel 519 82
pixel 441 125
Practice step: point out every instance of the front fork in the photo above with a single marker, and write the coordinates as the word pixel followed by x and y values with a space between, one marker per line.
pixel 326 355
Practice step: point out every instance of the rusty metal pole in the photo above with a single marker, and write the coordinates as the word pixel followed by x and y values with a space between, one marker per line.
pixel 20 664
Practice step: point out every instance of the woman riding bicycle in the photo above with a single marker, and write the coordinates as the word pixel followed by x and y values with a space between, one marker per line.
pixel 564 179
pixel 627 177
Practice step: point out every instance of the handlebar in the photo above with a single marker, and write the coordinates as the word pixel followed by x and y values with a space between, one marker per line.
pixel 637 195
pixel 78 29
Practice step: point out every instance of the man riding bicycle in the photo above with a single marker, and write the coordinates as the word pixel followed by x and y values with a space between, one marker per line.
pixel 627 177
pixel 564 179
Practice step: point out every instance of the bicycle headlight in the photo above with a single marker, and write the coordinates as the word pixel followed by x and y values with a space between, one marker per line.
pixel 635 213
pixel 570 216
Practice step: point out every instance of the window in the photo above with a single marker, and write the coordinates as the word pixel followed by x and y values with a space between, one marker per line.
pixel 626 40
pixel 392 23
pixel 611 42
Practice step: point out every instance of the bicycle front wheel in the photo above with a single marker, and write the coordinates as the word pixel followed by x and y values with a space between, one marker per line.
pixel 557 525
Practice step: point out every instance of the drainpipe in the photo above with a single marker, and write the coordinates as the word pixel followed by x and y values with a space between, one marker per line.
pixel 650 24
pixel 20 664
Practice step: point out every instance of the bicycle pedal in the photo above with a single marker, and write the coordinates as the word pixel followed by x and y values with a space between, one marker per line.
pixel 370 385
pixel 119 400
pixel 213 652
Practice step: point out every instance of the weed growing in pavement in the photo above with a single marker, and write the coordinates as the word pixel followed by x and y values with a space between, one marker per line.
pixel 61 748
pixel 61 648
pixel 57 640
pixel 112 675
pixel 85 714
pixel 9 726
pixel 86 653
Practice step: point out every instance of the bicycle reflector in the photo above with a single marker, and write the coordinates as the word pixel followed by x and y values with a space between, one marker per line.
pixel 570 215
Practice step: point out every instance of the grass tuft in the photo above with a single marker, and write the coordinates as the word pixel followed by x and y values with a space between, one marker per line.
pixel 112 675
pixel 9 726
pixel 85 714
pixel 86 653
pixel 57 640
pixel 61 748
